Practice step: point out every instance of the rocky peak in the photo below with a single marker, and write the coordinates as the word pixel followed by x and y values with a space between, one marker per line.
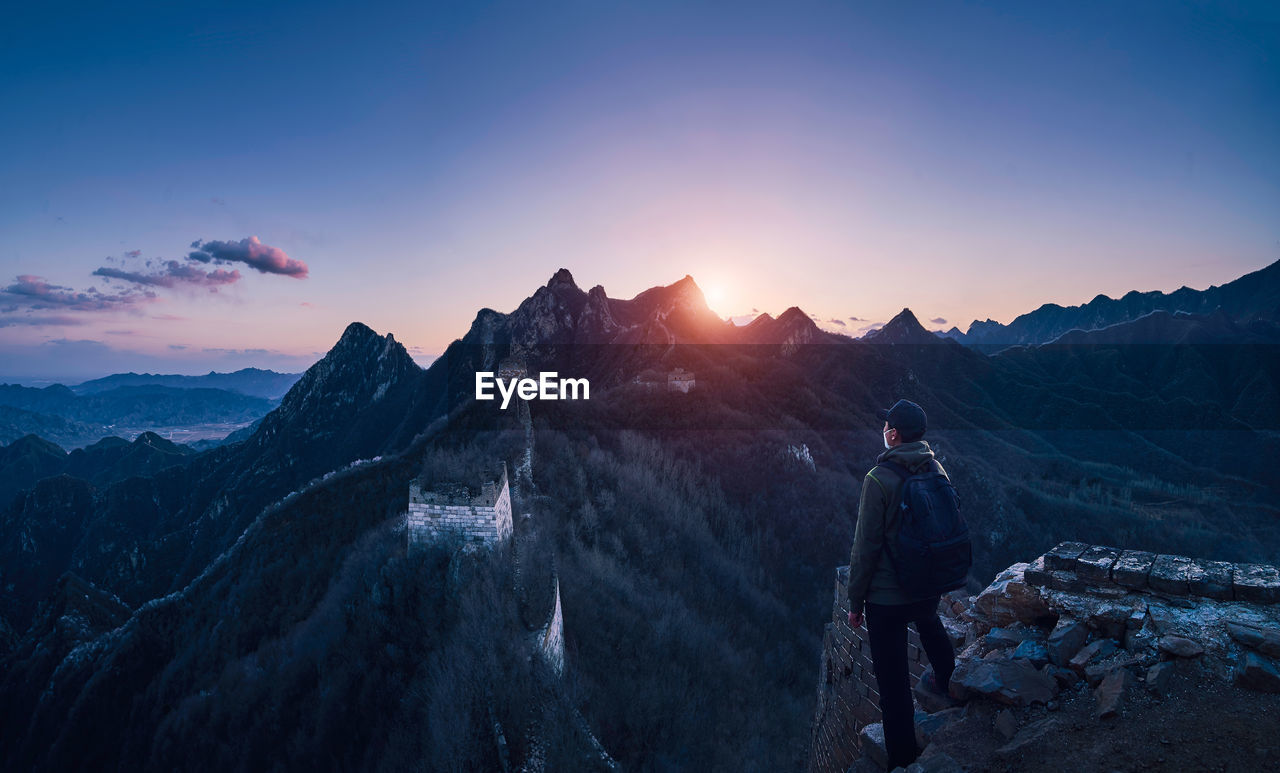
pixel 904 328
pixel 562 279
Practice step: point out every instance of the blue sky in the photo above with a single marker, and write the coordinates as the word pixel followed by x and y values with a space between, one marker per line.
pixel 424 160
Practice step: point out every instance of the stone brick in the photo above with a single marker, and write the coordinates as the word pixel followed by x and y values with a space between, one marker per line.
pixel 1132 568
pixel 1211 579
pixel 1257 582
pixel 1095 564
pixel 1171 574
pixel 1063 556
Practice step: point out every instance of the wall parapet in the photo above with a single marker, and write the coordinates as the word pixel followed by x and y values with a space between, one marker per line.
pixel 1076 566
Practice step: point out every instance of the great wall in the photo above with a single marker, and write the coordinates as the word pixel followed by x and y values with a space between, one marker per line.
pixel 1079 617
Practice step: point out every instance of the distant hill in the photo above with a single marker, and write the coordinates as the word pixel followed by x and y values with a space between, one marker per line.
pixel 247 381
pixel 1254 296
pixel 57 413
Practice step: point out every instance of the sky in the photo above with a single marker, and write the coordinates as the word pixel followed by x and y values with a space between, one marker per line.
pixel 198 186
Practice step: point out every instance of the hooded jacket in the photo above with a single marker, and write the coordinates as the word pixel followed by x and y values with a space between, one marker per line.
pixel 871 575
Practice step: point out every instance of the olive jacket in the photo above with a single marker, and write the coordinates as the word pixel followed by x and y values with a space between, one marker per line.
pixel 871 576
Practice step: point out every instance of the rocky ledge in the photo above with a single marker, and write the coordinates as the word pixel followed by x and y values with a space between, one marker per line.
pixel 1094 629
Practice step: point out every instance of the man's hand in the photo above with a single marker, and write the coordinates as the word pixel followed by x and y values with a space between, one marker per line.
pixel 855 619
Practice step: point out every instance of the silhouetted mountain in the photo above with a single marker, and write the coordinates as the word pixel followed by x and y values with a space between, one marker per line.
pixel 253 382
pixel 279 621
pixel 1253 296
pixel 902 329
pixel 58 414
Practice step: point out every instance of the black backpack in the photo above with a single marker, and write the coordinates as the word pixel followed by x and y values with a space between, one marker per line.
pixel 931 554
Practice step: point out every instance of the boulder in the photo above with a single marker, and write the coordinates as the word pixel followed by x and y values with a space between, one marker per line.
pixel 1032 650
pixel 1158 677
pixel 1065 641
pixel 1095 673
pixel 1029 736
pixel 1257 672
pixel 1256 637
pixel 872 743
pixel 927 725
pixel 1013 682
pixel 1180 646
pixel 1006 724
pixel 1008 600
pixel 1110 694
pixel 1094 650
pixel 1009 637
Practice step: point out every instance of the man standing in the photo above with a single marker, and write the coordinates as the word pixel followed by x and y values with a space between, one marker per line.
pixel 874 587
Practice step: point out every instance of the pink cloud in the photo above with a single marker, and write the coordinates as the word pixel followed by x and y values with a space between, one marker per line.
pixel 173 274
pixel 251 251
pixel 35 292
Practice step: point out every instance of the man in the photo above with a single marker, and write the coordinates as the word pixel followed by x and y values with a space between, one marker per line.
pixel 873 586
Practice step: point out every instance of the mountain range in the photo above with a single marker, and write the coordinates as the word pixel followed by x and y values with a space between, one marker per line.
pixel 254 604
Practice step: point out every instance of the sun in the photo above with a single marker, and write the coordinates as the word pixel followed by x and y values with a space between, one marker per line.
pixel 715 297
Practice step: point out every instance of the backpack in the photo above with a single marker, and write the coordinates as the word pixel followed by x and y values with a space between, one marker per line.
pixel 931 553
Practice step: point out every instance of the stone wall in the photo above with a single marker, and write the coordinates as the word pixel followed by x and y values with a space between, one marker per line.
pixel 485 518
pixel 551 636
pixel 1075 566
pixel 847 696
pixel 1091 616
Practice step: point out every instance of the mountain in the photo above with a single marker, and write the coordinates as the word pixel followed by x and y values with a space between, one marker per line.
pixel 253 382
pixel 59 414
pixel 278 618
pixel 1254 296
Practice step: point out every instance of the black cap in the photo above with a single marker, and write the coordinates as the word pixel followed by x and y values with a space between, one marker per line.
pixel 906 417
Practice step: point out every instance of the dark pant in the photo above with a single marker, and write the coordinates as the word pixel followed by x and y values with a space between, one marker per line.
pixel 887 629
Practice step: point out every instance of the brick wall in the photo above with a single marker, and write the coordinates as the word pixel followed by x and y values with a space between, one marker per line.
pixel 848 698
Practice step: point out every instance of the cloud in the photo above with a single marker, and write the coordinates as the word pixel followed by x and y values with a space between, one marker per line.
pixel 133 253
pixel 172 275
pixel 34 292
pixel 938 321
pixel 266 259
pixel 169 317
pixel 60 319
pixel 856 319
pixel 839 322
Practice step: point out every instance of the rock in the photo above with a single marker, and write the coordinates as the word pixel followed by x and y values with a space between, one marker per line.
pixel 1013 682
pixel 928 725
pixel 872 743
pixel 1257 582
pixel 959 632
pixel 1180 646
pixel 1110 694
pixel 1264 640
pixel 1095 564
pixel 1256 672
pixel 1009 599
pixel 1032 650
pixel 1065 677
pixel 1006 724
pixel 932 702
pixel 935 763
pixel 1029 736
pixel 1158 677
pixel 1099 648
pixel 1171 574
pixel 1211 579
pixel 1063 555
pixel 1132 568
pixel 1065 641
pixel 1095 673
pixel 1008 637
